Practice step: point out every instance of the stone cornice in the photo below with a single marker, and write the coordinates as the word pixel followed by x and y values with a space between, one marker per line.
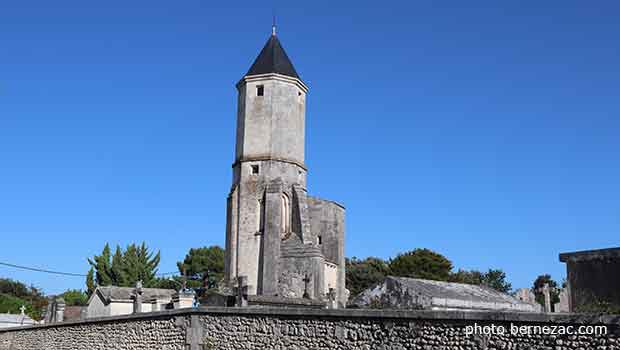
pixel 267 158
pixel 274 76
pixel 403 315
pixel 585 255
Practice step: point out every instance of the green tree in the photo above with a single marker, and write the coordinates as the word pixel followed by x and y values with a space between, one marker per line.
pixel 174 282
pixel 421 263
pixel 496 279
pixel 10 304
pixel 123 269
pixel 200 260
pixel 467 277
pixel 102 268
pixel 553 290
pixel 14 288
pixel 139 264
pixel 75 297
pixel 362 274
pixel 116 266
pixel 14 294
pixel 91 284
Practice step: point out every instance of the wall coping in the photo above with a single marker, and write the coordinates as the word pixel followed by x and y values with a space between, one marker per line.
pixel 585 255
pixel 412 315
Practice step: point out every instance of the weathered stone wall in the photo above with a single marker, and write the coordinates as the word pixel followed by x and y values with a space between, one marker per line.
pixel 270 136
pixel 592 277
pixel 118 333
pixel 272 125
pixel 379 333
pixel 594 281
pixel 327 219
pixel 219 328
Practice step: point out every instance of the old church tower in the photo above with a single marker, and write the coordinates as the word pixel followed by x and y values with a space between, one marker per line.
pixel 287 243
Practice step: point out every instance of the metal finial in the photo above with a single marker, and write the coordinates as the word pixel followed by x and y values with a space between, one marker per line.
pixel 273 26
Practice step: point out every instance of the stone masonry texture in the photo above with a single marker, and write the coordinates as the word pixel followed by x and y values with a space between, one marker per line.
pixel 220 328
pixel 155 333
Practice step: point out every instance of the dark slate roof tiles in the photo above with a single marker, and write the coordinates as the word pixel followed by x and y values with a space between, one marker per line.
pixel 273 59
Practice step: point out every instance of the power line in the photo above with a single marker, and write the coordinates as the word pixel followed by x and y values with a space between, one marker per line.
pixel 62 273
pixel 43 270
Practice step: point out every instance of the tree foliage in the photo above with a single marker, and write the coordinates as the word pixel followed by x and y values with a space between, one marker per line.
pixel 554 292
pixel 15 288
pixel 75 297
pixel 10 304
pixel 362 274
pixel 496 279
pixel 421 263
pixel 468 277
pixel 174 282
pixel 418 263
pixel 202 261
pixel 14 294
pixel 124 268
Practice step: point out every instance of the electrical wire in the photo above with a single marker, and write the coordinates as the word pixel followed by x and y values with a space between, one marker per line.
pixel 62 273
pixel 43 270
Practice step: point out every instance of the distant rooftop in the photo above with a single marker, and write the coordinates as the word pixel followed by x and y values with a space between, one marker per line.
pixel 451 290
pixel 124 294
pixel 436 295
pixel 596 254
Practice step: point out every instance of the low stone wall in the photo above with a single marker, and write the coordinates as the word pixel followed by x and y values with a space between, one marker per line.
pixel 230 328
pixel 156 332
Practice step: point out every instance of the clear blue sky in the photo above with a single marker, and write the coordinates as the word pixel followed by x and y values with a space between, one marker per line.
pixel 487 131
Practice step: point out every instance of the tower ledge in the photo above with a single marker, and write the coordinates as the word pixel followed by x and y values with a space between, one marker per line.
pixel 254 159
pixel 275 76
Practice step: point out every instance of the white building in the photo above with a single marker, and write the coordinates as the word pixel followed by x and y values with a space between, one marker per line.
pixel 112 301
pixel 15 320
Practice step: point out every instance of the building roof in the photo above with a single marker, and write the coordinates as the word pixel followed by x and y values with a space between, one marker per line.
pixel 441 295
pixel 273 59
pixel 15 320
pixel 451 290
pixel 585 255
pixel 124 294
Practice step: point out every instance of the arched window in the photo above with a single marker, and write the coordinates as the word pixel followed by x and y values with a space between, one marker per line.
pixel 286 214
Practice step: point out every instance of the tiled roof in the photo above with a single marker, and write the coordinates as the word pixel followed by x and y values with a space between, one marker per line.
pixel 273 59
pixel 113 293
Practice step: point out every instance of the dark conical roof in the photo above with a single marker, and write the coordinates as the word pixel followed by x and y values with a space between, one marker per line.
pixel 273 59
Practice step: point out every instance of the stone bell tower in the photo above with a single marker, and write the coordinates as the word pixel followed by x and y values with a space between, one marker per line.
pixel 268 218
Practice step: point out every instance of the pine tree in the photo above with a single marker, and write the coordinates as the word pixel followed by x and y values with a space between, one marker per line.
pixel 117 266
pixel 91 284
pixel 101 264
pixel 123 269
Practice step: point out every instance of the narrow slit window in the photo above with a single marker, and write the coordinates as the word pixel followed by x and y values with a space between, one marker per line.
pixel 260 90
pixel 320 240
pixel 286 214
pixel 261 216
